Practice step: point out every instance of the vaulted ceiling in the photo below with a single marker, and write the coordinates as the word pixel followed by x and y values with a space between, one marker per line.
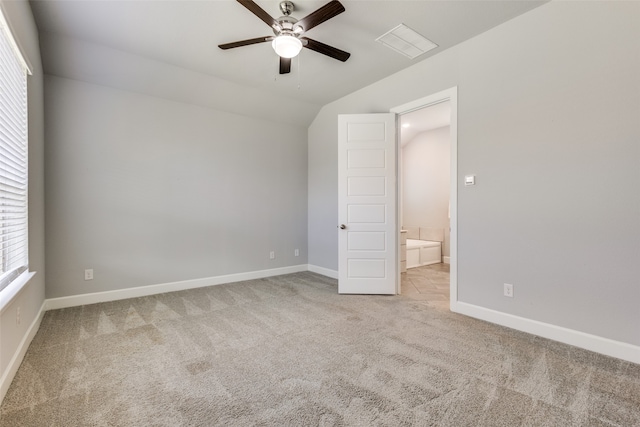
pixel 169 48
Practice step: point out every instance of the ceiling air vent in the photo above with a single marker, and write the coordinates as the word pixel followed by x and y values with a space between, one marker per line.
pixel 406 41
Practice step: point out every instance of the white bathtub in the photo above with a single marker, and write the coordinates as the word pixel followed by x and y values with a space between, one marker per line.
pixel 423 252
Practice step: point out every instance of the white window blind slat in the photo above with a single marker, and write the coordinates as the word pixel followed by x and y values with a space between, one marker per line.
pixel 13 196
pixel 12 223
pixel 10 163
pixel 10 126
pixel 11 129
pixel 13 244
pixel 10 151
pixel 5 187
pixel 13 77
pixel 12 120
pixel 14 227
pixel 13 159
pixel 15 164
pixel 12 187
pixel 10 180
pixel 9 222
pixel 10 134
pixel 14 179
pixel 14 202
pixel 14 217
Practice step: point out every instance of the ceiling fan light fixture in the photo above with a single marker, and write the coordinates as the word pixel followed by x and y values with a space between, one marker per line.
pixel 287 46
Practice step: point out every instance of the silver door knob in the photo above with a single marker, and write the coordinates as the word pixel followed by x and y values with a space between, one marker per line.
pixel 342 226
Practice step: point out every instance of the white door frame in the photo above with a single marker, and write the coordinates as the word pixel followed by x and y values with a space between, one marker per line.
pixel 450 95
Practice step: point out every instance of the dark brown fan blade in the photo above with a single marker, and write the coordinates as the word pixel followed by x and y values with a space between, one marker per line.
pixel 259 12
pixel 244 42
pixel 285 65
pixel 327 11
pixel 325 49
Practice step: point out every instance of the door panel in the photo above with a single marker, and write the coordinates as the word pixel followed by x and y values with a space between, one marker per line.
pixel 366 240
pixel 367 197
pixel 365 158
pixel 366 186
pixel 366 213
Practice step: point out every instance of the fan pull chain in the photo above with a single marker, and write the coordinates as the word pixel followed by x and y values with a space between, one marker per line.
pixel 299 71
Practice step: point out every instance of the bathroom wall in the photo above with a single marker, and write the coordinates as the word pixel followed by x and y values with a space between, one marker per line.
pixel 426 181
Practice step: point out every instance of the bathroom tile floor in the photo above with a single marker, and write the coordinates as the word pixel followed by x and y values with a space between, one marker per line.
pixel 429 284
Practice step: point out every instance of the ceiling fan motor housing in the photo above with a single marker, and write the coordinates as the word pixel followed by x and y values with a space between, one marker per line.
pixel 287 23
pixel 286 7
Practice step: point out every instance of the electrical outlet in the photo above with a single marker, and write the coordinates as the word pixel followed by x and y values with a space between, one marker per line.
pixel 272 255
pixel 296 252
pixel 508 290
pixel 88 274
pixel 18 316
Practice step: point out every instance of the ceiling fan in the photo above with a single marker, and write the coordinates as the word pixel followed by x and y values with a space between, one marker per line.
pixel 289 32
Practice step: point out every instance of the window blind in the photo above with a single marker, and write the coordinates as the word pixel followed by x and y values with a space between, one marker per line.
pixel 13 159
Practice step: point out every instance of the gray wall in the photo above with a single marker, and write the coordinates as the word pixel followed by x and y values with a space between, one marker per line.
pixel 30 299
pixel 548 108
pixel 426 182
pixel 148 191
pixel 82 60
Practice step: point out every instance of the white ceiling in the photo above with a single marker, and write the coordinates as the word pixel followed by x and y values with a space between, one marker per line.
pixel 423 120
pixel 183 35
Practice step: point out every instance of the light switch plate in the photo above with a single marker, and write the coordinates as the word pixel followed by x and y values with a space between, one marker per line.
pixel 469 180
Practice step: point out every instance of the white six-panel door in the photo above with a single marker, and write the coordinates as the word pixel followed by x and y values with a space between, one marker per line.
pixel 367 204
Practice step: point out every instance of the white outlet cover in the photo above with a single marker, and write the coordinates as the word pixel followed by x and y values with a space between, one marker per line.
pixel 508 290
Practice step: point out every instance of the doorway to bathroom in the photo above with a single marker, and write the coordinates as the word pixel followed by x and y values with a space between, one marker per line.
pixel 424 155
pixel 427 159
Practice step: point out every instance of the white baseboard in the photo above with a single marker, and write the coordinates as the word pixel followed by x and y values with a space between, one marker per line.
pixel 583 340
pixel 118 294
pixel 324 271
pixel 446 259
pixel 18 356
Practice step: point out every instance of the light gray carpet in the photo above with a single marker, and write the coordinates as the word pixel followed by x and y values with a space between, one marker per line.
pixel 290 351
